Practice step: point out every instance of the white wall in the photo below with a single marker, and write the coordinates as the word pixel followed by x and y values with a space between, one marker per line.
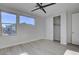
pixel 25 33
pixel 64 28
pixel 49 28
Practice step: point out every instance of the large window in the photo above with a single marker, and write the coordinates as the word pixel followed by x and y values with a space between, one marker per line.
pixel 8 22
pixel 27 20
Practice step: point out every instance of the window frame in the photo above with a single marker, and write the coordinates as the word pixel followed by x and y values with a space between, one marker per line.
pixel 28 17
pixel 7 23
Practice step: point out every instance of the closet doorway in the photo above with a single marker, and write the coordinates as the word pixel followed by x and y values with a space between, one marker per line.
pixel 56 27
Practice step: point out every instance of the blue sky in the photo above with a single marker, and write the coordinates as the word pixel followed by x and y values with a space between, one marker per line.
pixel 11 18
pixel 8 18
pixel 27 20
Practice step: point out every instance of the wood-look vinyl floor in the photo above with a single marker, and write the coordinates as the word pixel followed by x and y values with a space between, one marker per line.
pixel 39 47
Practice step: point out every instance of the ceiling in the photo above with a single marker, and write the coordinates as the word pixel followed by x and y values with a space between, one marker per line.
pixel 51 10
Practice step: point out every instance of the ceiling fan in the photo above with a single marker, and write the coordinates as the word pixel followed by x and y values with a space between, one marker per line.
pixel 41 6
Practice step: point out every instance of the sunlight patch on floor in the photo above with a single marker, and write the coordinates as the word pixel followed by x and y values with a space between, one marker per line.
pixel 70 52
pixel 24 54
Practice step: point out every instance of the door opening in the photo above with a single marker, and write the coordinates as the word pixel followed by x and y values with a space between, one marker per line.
pixel 56 27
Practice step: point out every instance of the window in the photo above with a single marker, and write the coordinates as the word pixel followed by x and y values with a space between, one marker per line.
pixel 27 20
pixel 8 22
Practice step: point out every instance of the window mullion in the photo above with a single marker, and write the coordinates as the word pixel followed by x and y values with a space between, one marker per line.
pixel 0 24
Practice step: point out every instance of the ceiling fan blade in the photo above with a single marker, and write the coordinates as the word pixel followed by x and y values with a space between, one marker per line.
pixel 43 10
pixel 48 5
pixel 41 7
pixel 41 3
pixel 35 9
pixel 36 6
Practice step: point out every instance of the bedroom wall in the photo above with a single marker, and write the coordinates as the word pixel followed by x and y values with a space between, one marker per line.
pixel 63 28
pixel 25 33
pixel 49 28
